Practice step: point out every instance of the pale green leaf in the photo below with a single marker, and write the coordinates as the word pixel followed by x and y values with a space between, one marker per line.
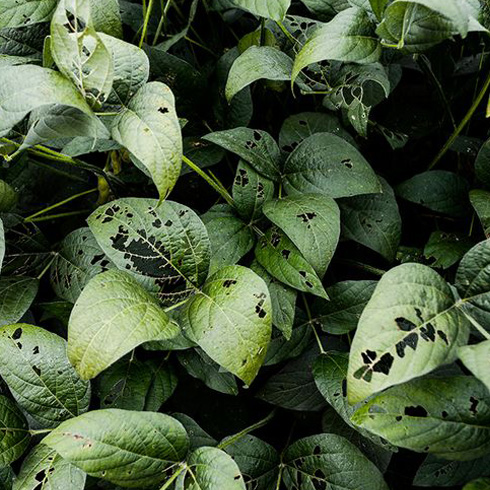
pixel 111 317
pixel 312 222
pixel 257 63
pixel 331 461
pixel 14 431
pixel 348 37
pixel 44 469
pixel 127 448
pixel 39 375
pixel 446 416
pixel 106 17
pixel 27 87
pixel 79 52
pixel 15 13
pixel 231 320
pixel 409 327
pixel 271 9
pixel 477 359
pixel 326 8
pixel 16 296
pixel 277 254
pixel 149 129
pixel 326 164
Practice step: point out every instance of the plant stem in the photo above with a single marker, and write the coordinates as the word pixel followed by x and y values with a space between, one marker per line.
pixel 169 482
pixel 163 18
pixel 176 305
pixel 462 124
pixel 219 188
pixel 364 267
pixel 477 326
pixel 46 268
pixel 310 321
pixel 60 215
pixel 145 24
pixel 58 204
pixel 230 440
pixel 289 36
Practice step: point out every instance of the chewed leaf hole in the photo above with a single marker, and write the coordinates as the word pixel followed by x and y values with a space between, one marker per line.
pixel 415 411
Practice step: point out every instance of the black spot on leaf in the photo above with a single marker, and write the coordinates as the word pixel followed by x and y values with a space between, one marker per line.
pixel 17 334
pixel 163 110
pixel 411 340
pixel 36 370
pixel 257 136
pixel 229 282
pixel 35 350
pixel 305 217
pixel 347 162
pixel 398 418
pixel 428 332
pixel 474 404
pixel 19 345
pixel 417 411
pixel 443 336
pixel 404 324
pixel 444 414
pixel 275 239
pixel 369 356
pixel 96 258
pixel 286 253
pixel 384 364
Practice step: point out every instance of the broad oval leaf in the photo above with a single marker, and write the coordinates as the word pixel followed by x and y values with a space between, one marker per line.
pixel 446 416
pixel 165 243
pixel 44 469
pixel 106 17
pixel 79 52
pixel 36 369
pixel 348 37
pixel 277 254
pixel 210 468
pixel 19 14
pixel 271 9
pixel 26 87
pixel 331 461
pixel 256 147
pixel 16 296
pixel 256 63
pixel 79 259
pixel 14 431
pixel 112 316
pixel 409 327
pixel 130 449
pixel 8 196
pixel 149 129
pixel 480 200
pixel 477 359
pixel 326 164
pixel 312 222
pixel 231 320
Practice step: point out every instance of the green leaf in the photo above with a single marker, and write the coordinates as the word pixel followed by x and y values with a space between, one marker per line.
pixel 131 69
pixel 258 461
pixel 6 478
pixel 480 484
pixel 446 416
pixel 408 328
pixel 331 461
pixel 112 316
pixel 16 296
pixel 297 128
pixel 477 359
pixel 26 12
pixel 165 243
pixel 283 300
pixel 256 147
pixel 231 320
pixel 198 437
pixel 26 87
pixel 14 431
pixel 250 191
pixel 293 387
pixel 8 197
pixel 373 221
pixel 106 17
pixel 439 190
pixel 341 314
pixel 325 163
pixel 416 25
pixel 79 52
pixel 480 200
pixel 210 468
pixel 2 244
pixel 39 375
pixel 127 448
pixel 482 164
pixel 281 258
pixel 44 469
pixel 312 222
pixel 230 237
pixel 272 9
pixel 256 63
pixel 149 129
pixel 78 260
pixel 348 37
pixel 282 349
pixel 378 7
pixel 326 8
pixel 435 472
pixel 445 249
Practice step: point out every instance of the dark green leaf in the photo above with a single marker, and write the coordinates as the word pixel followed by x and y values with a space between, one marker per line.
pixel 16 296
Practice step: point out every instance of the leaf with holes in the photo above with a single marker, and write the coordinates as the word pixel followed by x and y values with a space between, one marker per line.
pixel 231 320
pixel 20 14
pixel 326 164
pixel 149 129
pixel 167 244
pixel 132 449
pixel 409 327
pixel 445 416
pixel 116 312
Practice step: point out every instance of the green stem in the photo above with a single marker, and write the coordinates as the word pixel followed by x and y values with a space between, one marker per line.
pixel 46 268
pixel 169 482
pixel 60 215
pixel 279 476
pixel 218 188
pixel 145 24
pixel 58 204
pixel 310 321
pixel 176 305
pixel 477 326
pixel 289 36
pixel 462 124
pixel 232 439
pixel 163 18
pixel 364 267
